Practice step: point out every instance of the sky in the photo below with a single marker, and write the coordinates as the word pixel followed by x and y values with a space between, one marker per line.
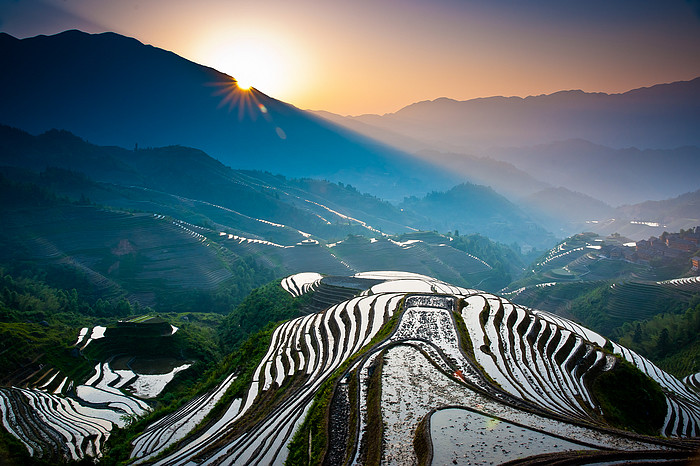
pixel 377 56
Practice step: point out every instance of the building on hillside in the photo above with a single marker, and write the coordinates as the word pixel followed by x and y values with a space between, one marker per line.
pixel 692 235
pixel 679 244
pixel 695 261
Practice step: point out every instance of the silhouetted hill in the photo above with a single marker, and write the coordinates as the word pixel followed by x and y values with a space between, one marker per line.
pixel 620 148
pixel 665 115
pixel 504 177
pixel 175 177
pixel 686 205
pixel 564 211
pixel 113 90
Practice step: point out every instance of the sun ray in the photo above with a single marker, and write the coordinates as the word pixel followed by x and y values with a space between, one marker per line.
pixel 245 102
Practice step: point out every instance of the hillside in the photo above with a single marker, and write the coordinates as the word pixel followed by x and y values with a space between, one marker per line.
pixel 195 273
pixel 393 368
pixel 149 97
pixel 629 291
pixel 478 209
pixel 563 211
pixel 619 148
pixel 269 219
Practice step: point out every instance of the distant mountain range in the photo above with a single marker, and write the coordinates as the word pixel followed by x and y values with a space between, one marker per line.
pixel 661 116
pixel 619 148
pixel 114 90
pixel 618 176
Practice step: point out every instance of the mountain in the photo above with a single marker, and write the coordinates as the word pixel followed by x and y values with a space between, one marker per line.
pixel 618 176
pixel 564 211
pixel 652 218
pixel 471 208
pixel 190 173
pixel 128 210
pixel 660 116
pixel 665 211
pixel 618 148
pixel 114 90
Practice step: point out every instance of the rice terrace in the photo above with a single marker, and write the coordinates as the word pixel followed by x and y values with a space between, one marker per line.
pixel 349 233
pixel 388 363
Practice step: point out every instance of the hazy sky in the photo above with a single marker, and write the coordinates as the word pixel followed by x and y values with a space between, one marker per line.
pixel 362 56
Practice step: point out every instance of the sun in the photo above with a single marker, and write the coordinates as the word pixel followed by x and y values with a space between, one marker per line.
pixel 254 62
pixel 243 85
pixel 270 61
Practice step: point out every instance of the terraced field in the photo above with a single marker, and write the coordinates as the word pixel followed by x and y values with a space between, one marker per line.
pixel 56 419
pixel 120 253
pixel 381 367
pixel 691 284
pixel 635 300
pixel 446 346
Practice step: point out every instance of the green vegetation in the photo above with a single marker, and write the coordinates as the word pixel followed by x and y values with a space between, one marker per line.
pixel 464 338
pixel 248 274
pixel 374 431
pixel 506 262
pixel 268 303
pixel 629 399
pixel 25 296
pixel 12 451
pixel 25 347
pixel 14 194
pixel 671 340
pixel 309 442
pixel 609 309
pixel 475 208
pixel 39 324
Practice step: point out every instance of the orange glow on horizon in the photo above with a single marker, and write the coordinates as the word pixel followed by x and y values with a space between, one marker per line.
pixel 262 58
pixel 353 58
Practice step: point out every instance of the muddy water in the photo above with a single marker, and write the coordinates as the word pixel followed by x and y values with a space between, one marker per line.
pixel 465 437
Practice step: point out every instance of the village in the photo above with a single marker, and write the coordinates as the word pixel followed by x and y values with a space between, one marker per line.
pixel 669 247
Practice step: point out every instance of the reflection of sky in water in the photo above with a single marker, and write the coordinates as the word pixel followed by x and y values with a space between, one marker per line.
pixel 470 438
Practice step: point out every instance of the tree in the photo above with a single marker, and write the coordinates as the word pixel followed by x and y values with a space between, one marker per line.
pixel 637 337
pixel 663 344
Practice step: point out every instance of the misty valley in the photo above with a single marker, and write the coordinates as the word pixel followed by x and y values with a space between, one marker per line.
pixel 194 273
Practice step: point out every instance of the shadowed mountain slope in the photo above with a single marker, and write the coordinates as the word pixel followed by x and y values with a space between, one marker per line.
pixel 114 90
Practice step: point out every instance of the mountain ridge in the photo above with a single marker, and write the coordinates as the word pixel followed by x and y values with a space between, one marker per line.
pixel 114 90
pixel 574 93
